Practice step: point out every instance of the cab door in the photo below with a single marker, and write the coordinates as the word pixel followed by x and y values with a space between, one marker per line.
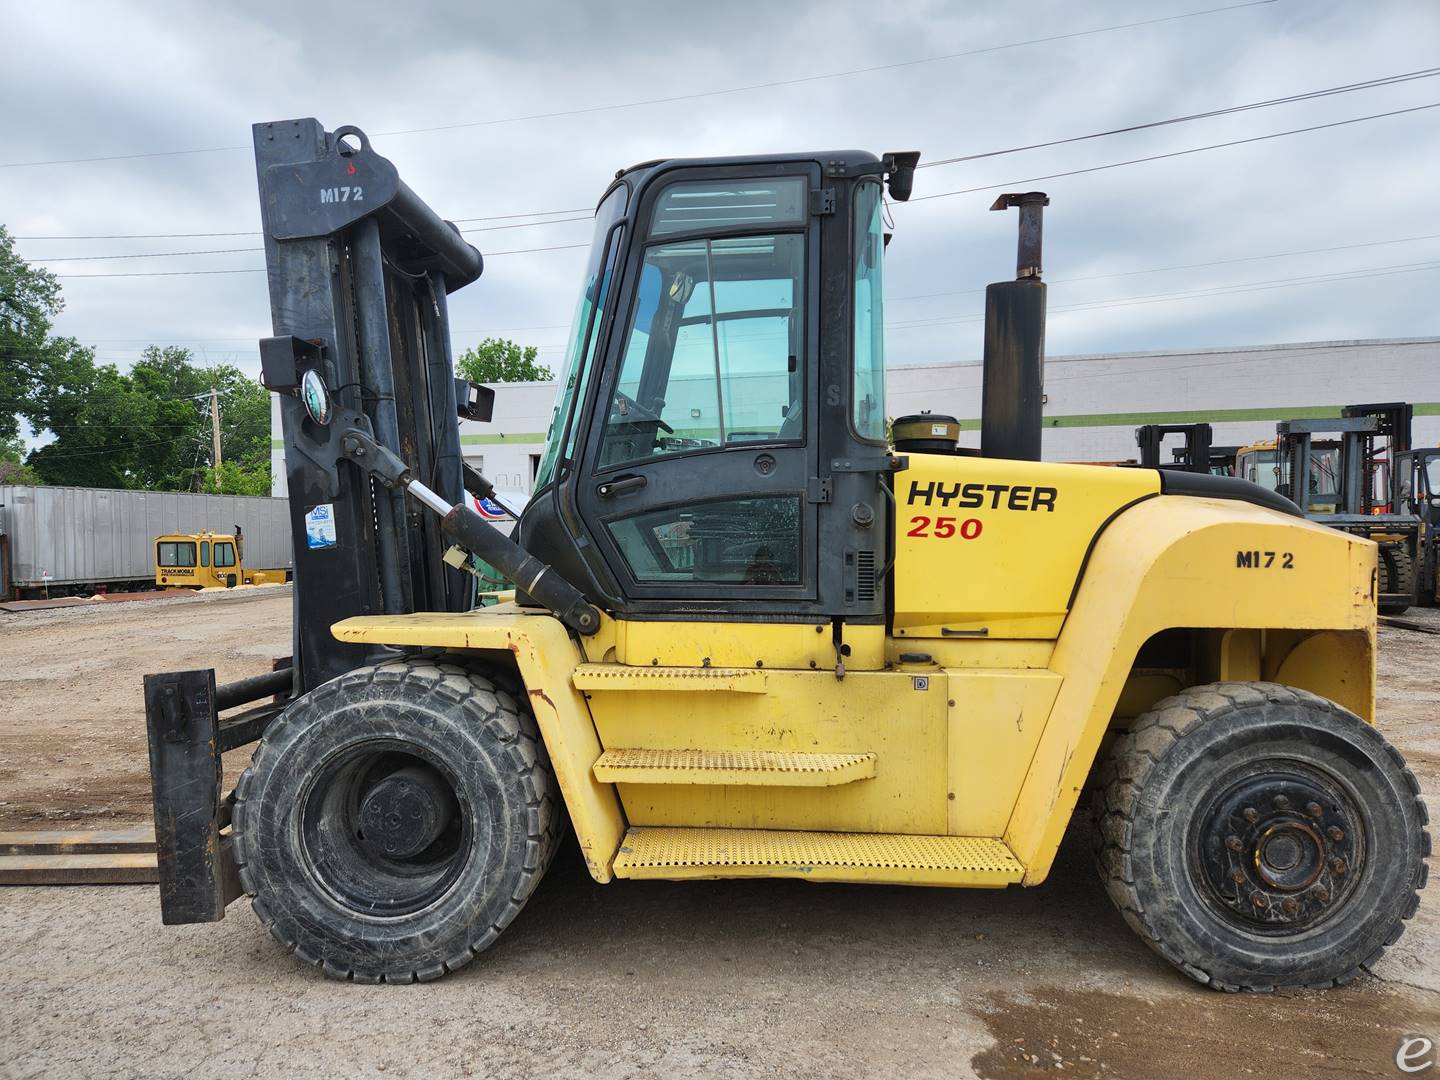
pixel 696 477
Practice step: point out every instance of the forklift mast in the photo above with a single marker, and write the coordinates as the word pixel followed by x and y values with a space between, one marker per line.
pixel 359 270
pixel 1370 436
pixel 1192 456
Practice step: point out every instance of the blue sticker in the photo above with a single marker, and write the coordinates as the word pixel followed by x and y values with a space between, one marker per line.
pixel 320 526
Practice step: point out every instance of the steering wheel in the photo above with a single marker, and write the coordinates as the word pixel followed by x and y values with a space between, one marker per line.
pixel 634 408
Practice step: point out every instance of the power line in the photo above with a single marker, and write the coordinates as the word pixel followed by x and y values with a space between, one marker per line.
pixel 110 449
pixel 1309 95
pixel 261 270
pixel 1181 266
pixel 1179 153
pixel 1193 294
pixel 236 251
pixel 256 232
pixel 773 84
pixel 585 215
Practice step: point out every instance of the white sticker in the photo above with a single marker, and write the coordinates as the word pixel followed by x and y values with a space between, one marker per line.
pixel 320 526
pixel 937 429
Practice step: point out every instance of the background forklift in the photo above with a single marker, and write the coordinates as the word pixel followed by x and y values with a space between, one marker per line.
pixel 1363 495
pixel 750 638
pixel 1417 475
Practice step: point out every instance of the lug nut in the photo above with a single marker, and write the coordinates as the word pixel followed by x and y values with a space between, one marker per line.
pixel 1290 905
pixel 1233 843
pixel 1338 865
pixel 1322 894
pixel 1260 900
pixel 1250 814
pixel 1314 809
pixel 1281 802
pixel 1336 833
pixel 1238 876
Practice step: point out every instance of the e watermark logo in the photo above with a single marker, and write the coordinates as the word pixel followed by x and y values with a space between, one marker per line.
pixel 1416 1054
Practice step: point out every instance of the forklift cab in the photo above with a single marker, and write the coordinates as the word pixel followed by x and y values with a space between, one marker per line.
pixel 696 365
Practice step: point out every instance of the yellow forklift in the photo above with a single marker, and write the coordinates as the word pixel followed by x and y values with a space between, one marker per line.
pixel 207 560
pixel 749 638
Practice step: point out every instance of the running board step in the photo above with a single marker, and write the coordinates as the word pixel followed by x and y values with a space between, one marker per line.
pixel 621 677
pixel 674 854
pixel 750 768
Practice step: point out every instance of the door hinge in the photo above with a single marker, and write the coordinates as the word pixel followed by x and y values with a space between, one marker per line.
pixel 822 201
pixel 817 489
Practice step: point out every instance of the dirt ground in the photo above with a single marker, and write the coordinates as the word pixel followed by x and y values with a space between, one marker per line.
pixel 634 979
pixel 72 716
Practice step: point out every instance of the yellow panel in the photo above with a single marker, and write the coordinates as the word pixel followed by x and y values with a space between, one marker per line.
pixel 1143 690
pixel 617 677
pixel 1334 666
pixel 995 545
pixel 745 644
pixel 760 768
pixel 677 854
pixel 547 656
pixel 1175 561
pixel 995 722
pixel 868 712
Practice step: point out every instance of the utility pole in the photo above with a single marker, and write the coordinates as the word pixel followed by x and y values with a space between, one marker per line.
pixel 215 431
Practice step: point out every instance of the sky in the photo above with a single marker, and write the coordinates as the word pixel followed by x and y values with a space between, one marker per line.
pixel 92 80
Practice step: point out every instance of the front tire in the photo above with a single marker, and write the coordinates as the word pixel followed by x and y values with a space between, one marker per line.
pixel 395 820
pixel 1259 837
pixel 1397 575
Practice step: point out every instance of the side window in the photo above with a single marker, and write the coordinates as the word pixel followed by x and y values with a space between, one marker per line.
pixel 174 553
pixel 224 554
pixel 868 390
pixel 712 357
pixel 747 541
pixel 204 552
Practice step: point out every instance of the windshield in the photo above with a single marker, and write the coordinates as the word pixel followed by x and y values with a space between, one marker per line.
pixel 584 331
pixel 1432 478
pixel 1258 466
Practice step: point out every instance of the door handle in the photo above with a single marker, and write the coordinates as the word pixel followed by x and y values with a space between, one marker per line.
pixel 620 485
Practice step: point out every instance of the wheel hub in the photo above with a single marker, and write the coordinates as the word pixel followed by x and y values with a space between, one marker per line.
pixel 403 814
pixel 1280 849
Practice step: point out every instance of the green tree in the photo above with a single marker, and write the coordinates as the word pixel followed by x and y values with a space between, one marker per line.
pixel 235 479
pixel 150 427
pixel 496 360
pixel 31 361
pixel 13 469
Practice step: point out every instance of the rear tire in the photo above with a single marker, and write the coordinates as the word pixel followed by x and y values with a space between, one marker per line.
pixel 446 773
pixel 1259 837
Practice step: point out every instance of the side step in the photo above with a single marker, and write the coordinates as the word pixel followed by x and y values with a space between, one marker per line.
pixel 751 768
pixel 677 854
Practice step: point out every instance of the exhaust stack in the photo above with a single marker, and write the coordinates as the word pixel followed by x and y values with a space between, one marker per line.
pixel 1014 373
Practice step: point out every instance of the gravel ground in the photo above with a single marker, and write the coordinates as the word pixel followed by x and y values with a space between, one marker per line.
pixel 633 979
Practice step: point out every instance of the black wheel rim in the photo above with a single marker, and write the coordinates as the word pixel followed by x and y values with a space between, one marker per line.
pixel 1280 850
pixel 385 830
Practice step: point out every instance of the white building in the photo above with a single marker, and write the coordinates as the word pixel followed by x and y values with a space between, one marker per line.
pixel 1093 403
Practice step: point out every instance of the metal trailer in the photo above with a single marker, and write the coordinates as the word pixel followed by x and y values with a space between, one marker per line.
pixel 70 539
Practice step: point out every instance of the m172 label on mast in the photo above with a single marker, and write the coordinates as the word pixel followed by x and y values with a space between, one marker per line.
pixel 345 193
